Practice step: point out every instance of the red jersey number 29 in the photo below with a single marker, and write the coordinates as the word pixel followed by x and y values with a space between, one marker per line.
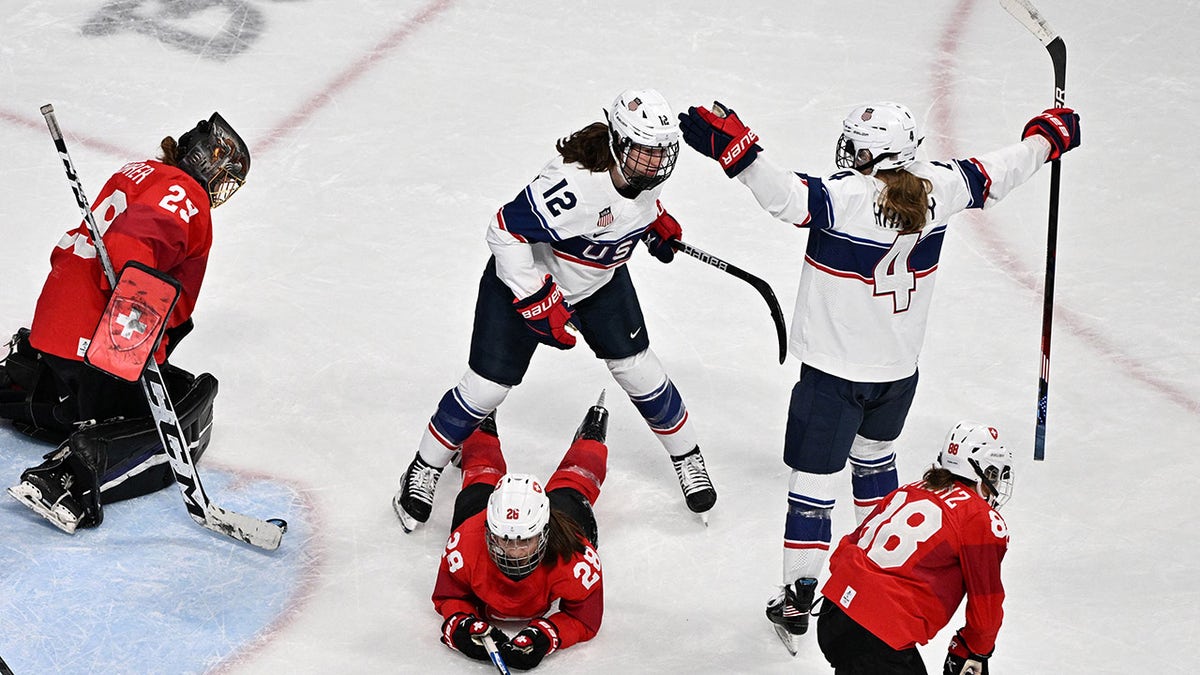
pixel 893 535
pixel 171 203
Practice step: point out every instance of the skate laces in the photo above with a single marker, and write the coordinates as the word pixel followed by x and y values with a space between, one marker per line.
pixel 422 482
pixel 692 474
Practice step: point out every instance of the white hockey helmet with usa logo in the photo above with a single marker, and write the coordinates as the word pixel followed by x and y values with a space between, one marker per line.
pixel 973 451
pixel 518 515
pixel 645 137
pixel 878 137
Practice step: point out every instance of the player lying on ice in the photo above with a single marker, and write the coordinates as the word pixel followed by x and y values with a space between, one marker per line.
pixel 156 213
pixel 517 546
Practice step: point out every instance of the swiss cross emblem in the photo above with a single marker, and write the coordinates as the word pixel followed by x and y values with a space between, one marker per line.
pixel 132 324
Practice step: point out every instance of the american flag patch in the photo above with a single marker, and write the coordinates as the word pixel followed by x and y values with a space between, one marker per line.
pixel 606 218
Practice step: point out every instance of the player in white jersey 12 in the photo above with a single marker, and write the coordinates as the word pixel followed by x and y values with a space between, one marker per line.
pixel 559 250
pixel 875 236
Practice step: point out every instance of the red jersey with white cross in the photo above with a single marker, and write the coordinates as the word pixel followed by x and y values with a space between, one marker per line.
pixel 468 581
pixel 149 212
pixel 904 571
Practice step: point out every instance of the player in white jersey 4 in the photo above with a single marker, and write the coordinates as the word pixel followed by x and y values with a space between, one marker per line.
pixel 559 250
pixel 875 237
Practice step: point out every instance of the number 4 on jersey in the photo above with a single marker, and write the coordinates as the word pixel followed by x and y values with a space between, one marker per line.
pixel 893 275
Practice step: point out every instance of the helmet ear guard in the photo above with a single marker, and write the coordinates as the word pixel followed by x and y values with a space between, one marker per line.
pixel 216 156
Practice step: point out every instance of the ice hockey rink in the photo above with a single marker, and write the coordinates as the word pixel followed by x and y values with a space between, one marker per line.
pixel 338 303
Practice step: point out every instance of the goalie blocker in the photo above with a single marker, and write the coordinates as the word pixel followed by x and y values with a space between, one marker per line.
pixel 116 459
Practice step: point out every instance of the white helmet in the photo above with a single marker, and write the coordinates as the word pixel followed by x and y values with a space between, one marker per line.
pixel 518 515
pixel 878 136
pixel 645 137
pixel 973 451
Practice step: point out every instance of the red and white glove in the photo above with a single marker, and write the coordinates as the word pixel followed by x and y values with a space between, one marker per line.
pixel 546 314
pixel 1060 126
pixel 663 230
pixel 720 134
pixel 527 648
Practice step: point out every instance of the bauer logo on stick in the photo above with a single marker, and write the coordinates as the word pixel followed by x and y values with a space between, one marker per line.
pixel 133 323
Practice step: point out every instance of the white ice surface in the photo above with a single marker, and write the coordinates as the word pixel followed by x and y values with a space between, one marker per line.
pixel 338 303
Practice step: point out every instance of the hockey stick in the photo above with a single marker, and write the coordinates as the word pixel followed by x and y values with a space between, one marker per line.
pixel 1035 23
pixel 490 645
pixel 759 285
pixel 263 534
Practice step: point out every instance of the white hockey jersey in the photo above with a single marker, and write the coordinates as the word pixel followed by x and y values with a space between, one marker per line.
pixel 569 223
pixel 865 289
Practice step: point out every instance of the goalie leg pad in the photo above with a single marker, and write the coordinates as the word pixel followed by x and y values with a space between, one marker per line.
pixel 128 453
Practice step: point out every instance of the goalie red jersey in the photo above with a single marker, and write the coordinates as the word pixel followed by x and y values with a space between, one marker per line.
pixel 903 572
pixel 149 212
pixel 469 581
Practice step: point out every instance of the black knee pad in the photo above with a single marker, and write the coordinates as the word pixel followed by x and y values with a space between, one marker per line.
pixel 117 446
pixel 29 395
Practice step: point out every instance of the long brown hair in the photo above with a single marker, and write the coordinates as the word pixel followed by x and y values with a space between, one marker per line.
pixel 168 151
pixel 564 538
pixel 588 147
pixel 904 201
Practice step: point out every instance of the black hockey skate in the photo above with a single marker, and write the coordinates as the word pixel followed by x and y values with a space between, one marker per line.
pixel 414 501
pixel 789 611
pixel 47 491
pixel 595 424
pixel 694 481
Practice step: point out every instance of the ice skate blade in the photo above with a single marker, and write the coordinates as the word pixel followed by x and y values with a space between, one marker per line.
pixel 406 521
pixel 31 497
pixel 788 640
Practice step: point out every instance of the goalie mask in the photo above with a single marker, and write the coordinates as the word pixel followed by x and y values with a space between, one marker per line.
pixel 215 156
pixel 644 137
pixel 878 137
pixel 518 517
pixel 973 451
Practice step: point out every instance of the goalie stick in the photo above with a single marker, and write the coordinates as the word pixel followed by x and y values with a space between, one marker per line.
pixel 262 534
pixel 759 285
pixel 1035 23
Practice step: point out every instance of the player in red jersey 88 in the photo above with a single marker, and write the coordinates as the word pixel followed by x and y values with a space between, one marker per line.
pixel 517 546
pixel 153 212
pixel 899 578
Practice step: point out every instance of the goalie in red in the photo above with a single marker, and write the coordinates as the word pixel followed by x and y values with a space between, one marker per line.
pixel 899 578
pixel 517 547
pixel 155 213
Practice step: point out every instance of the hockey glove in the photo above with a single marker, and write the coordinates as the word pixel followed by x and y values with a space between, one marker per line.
pixel 961 661
pixel 527 648
pixel 662 232
pixel 465 632
pixel 720 136
pixel 1060 126
pixel 546 313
